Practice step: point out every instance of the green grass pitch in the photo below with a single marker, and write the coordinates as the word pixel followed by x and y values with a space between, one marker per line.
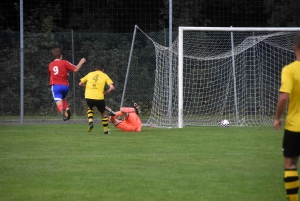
pixel 65 162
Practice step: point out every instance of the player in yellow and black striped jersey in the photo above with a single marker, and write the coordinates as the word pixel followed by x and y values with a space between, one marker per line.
pixel 290 95
pixel 94 83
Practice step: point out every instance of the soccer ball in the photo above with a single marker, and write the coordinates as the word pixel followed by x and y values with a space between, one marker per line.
pixel 225 123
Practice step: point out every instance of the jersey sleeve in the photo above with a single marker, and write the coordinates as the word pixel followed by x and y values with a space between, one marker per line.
pixel 286 81
pixel 108 80
pixel 69 66
pixel 84 79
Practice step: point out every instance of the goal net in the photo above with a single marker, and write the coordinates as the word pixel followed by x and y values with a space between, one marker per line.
pixel 220 73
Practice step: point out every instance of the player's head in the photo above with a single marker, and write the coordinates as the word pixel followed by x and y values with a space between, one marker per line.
pixel 99 66
pixel 136 108
pixel 136 111
pixel 56 52
pixel 296 46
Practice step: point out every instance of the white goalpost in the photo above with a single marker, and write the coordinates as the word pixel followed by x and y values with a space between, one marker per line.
pixel 221 73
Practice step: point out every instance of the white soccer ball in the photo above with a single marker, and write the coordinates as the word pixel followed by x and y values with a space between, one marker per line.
pixel 225 123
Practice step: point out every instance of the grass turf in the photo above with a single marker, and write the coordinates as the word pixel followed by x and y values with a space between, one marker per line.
pixel 65 162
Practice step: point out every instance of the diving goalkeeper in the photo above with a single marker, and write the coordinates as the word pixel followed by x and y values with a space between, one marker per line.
pixel 131 121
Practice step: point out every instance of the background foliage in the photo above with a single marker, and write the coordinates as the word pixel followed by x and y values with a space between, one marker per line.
pixel 102 31
pixel 110 49
pixel 152 16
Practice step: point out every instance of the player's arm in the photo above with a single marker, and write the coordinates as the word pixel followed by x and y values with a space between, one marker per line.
pixel 81 62
pixel 81 84
pixel 83 81
pixel 285 89
pixel 111 88
pixel 281 104
pixel 127 109
pixel 280 108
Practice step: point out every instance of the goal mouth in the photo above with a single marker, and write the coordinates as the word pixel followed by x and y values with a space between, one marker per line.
pixel 220 73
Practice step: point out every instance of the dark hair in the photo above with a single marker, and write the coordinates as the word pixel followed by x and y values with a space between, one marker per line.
pixel 136 111
pixel 99 66
pixel 56 51
pixel 136 106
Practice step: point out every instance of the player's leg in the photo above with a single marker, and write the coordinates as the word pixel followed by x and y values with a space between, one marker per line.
pixel 58 97
pixel 291 152
pixel 67 111
pixel 114 119
pixel 110 111
pixel 126 127
pixel 101 108
pixel 291 179
pixel 90 114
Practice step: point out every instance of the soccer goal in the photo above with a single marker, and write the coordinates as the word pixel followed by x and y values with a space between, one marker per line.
pixel 220 73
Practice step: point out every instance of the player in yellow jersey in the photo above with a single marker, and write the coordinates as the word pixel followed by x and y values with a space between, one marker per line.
pixel 94 83
pixel 290 93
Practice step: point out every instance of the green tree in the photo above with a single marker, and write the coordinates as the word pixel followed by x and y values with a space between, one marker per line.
pixel 185 13
pixel 43 17
pixel 283 13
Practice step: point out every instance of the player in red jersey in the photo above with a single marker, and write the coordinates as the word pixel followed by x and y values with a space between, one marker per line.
pixel 58 71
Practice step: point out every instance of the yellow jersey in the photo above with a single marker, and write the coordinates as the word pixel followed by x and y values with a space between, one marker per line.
pixel 290 83
pixel 95 84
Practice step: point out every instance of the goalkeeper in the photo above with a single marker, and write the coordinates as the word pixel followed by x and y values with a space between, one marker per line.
pixel 131 121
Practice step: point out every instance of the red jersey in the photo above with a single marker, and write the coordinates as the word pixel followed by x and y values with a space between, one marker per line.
pixel 58 71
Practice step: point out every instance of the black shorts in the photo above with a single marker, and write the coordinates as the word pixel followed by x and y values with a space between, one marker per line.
pixel 99 104
pixel 291 144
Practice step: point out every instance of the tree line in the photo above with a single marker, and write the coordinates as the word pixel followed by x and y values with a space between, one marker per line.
pixel 112 50
pixel 112 16
pixel 48 22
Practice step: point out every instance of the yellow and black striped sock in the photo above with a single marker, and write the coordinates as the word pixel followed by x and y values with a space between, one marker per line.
pixel 291 183
pixel 105 123
pixel 90 114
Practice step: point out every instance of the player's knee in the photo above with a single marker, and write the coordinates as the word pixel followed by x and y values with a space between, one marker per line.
pixel 57 99
pixel 116 123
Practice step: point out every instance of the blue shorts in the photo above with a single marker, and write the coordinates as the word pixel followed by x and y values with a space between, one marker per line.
pixel 59 91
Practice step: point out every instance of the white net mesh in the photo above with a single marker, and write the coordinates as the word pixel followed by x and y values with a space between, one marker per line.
pixel 218 83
